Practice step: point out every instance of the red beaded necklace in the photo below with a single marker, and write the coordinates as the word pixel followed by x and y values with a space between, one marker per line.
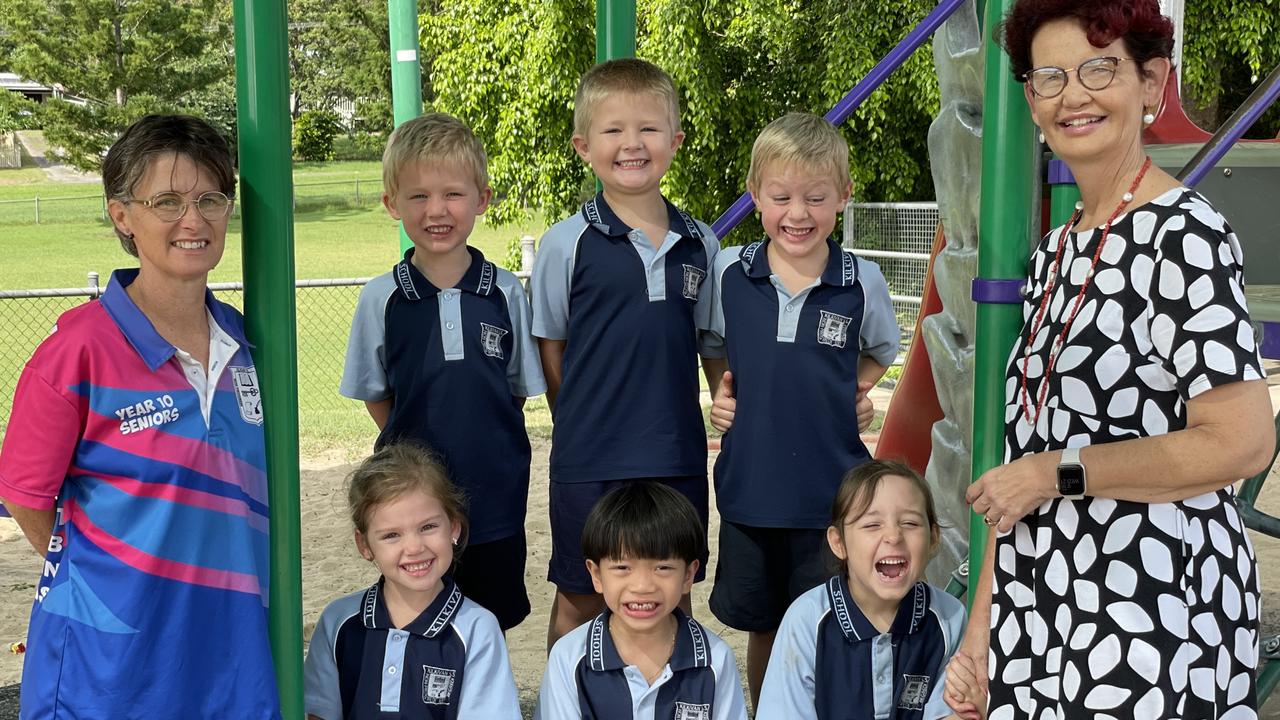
pixel 1038 322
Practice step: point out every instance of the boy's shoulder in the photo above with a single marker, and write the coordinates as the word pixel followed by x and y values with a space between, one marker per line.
pixel 567 229
pixel 736 254
pixel 505 280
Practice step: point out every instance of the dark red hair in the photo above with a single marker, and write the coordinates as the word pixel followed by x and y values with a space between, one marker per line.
pixel 1146 33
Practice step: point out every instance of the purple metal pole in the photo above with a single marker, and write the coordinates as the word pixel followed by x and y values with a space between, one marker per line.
pixel 860 92
pixel 1237 125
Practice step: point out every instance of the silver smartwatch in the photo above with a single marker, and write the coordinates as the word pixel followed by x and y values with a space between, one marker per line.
pixel 1071 475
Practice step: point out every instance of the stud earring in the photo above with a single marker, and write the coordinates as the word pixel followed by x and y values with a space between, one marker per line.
pixel 1148 118
pixel 455 542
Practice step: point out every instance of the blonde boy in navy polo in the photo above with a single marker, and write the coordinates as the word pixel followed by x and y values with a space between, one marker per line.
pixel 619 296
pixel 806 327
pixel 441 353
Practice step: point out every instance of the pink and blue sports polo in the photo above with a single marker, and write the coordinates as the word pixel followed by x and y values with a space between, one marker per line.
pixel 152 603
pixel 794 359
pixel 630 316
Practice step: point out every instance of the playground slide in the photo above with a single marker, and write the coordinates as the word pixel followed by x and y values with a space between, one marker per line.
pixel 908 423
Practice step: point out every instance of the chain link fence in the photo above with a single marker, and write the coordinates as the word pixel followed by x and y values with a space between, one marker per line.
pixel 324 312
pixel 899 238
pixel 356 192
pixel 325 309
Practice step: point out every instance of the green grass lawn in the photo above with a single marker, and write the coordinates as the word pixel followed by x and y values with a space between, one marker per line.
pixel 333 238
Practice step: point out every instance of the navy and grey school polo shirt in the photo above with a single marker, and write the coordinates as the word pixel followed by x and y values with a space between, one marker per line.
pixel 795 377
pixel 449 663
pixel 830 663
pixel 630 316
pixel 586 679
pixel 454 362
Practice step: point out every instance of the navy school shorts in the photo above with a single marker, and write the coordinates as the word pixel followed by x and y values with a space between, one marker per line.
pixel 491 574
pixel 761 571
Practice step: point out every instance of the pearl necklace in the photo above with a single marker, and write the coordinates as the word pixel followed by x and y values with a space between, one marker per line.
pixel 1038 323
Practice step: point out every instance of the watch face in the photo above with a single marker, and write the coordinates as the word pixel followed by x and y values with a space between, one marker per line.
pixel 1071 480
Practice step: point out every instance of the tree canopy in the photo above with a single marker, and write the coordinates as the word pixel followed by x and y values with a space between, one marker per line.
pixel 1230 46
pixel 510 70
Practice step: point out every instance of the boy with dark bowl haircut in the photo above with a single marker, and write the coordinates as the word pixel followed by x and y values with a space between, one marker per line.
pixel 643 657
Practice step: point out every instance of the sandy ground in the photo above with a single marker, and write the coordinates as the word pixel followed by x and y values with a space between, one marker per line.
pixel 331 567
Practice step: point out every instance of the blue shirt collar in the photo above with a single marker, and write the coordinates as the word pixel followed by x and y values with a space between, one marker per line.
pixel 599 215
pixel 432 621
pixel 841 269
pixel 137 328
pixel 856 627
pixel 480 278
pixel 692 648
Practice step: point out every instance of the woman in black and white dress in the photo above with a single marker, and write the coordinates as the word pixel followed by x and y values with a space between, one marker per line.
pixel 1119 580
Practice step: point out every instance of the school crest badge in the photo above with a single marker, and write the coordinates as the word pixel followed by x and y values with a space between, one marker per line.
pixel 915 692
pixel 248 394
pixel 693 277
pixel 491 339
pixel 692 711
pixel 833 329
pixel 437 685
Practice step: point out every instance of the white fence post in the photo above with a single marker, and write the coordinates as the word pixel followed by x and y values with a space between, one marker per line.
pixel 526 253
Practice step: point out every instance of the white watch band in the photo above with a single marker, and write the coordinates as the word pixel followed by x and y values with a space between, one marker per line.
pixel 1070 456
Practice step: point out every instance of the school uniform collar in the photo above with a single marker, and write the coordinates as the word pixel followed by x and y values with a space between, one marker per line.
pixel 432 621
pixel 599 215
pixel 480 278
pixel 692 648
pixel 136 327
pixel 841 269
pixel 856 627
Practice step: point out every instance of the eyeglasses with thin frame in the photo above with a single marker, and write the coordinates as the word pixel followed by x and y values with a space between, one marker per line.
pixel 172 206
pixel 1096 74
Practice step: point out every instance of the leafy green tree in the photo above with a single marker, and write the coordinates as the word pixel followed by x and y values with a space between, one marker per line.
pixel 16 112
pixel 125 57
pixel 1230 46
pixel 510 70
pixel 313 134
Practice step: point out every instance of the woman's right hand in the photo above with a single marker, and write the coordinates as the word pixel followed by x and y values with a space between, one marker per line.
pixel 966 685
pixel 723 405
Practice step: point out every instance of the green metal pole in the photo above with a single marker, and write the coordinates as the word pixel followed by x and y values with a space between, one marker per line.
pixel 615 34
pixel 1004 243
pixel 615 29
pixel 266 191
pixel 1063 193
pixel 406 71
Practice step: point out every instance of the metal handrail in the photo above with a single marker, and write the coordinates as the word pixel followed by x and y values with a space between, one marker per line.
pixel 1232 130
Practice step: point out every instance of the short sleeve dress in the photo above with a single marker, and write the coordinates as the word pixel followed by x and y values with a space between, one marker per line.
pixel 1105 608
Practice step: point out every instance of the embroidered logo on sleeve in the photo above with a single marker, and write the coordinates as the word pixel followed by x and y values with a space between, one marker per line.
pixel 248 395
pixel 693 711
pixel 491 339
pixel 915 692
pixel 437 685
pixel 833 329
pixel 693 277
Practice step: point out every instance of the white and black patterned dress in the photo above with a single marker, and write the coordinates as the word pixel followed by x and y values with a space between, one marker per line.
pixel 1103 608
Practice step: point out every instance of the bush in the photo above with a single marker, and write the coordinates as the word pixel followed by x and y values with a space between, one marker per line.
pixel 313 134
pixel 17 112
